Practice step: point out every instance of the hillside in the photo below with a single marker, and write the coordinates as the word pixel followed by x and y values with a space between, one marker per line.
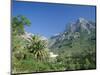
pixel 76 36
pixel 72 49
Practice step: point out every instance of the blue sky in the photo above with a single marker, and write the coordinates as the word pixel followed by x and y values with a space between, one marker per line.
pixel 50 19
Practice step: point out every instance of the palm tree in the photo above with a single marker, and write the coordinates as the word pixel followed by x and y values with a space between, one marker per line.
pixel 39 48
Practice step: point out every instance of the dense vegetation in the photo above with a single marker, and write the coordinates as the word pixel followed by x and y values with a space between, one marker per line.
pixel 33 54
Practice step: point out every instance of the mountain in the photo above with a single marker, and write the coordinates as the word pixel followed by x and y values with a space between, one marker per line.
pixel 81 29
pixel 28 36
pixel 82 25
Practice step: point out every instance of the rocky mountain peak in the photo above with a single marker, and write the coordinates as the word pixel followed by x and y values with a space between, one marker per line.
pixel 81 20
pixel 73 30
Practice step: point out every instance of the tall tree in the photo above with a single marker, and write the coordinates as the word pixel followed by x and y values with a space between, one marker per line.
pixel 18 43
pixel 18 23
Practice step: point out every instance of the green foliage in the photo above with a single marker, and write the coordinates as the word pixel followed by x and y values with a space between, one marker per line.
pixel 18 23
pixel 33 56
pixel 39 48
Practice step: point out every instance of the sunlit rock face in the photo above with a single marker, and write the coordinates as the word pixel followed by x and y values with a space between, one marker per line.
pixel 81 25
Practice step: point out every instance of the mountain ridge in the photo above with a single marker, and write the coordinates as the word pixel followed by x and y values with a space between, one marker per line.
pixel 81 28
